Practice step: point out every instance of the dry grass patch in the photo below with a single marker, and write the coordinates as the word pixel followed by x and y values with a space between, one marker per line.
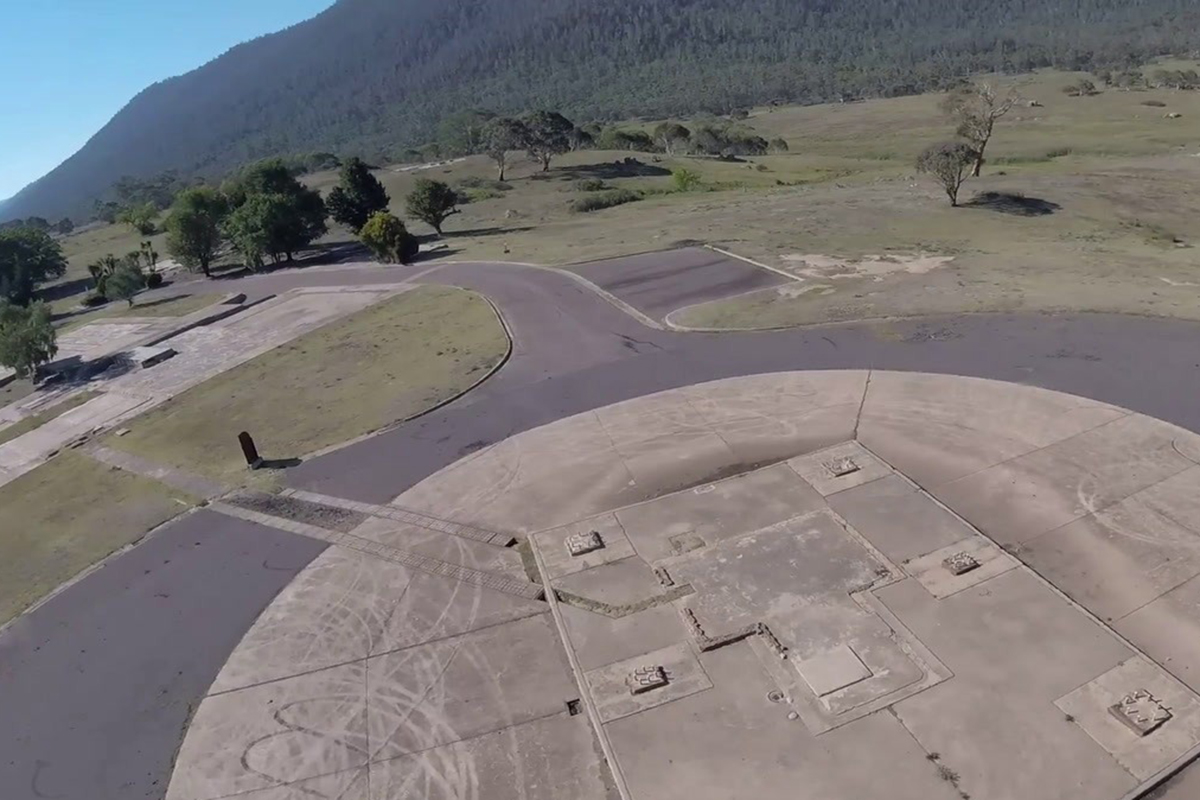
pixel 68 514
pixel 385 364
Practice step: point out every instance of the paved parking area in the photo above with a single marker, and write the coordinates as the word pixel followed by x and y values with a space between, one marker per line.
pixel 658 283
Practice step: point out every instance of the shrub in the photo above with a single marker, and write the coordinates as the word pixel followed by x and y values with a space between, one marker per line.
pixel 948 163
pixel 476 182
pixel 386 237
pixel 1082 88
pixel 778 145
pixel 599 200
pixel 125 282
pixel 685 180
pixel 591 185
pixel 478 195
pixel 154 280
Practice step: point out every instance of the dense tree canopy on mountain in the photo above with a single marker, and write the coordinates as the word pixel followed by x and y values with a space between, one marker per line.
pixel 374 77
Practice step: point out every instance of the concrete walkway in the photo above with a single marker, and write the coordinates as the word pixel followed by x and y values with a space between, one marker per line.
pixel 196 485
pixel 207 343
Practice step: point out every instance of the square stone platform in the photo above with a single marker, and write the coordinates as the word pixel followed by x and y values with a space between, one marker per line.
pixel 826 628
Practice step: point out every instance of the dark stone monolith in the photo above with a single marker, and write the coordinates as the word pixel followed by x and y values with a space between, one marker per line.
pixel 253 460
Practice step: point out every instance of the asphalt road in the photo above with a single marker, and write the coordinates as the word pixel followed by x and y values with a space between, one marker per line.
pixel 96 684
pixel 658 283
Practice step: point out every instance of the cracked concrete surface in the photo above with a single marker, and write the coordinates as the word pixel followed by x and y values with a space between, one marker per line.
pixel 366 680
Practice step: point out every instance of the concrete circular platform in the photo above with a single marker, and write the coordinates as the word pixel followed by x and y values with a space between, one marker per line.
pixel 369 679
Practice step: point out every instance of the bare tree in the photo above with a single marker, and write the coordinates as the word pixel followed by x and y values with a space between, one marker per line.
pixel 949 163
pixel 976 107
pixel 669 135
pixel 501 135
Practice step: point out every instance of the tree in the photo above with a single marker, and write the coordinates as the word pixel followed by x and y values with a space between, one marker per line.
pixel 126 281
pixel 101 270
pixel 149 256
pixel 580 139
pixel 975 107
pixel 275 225
pixel 105 211
pixel 670 135
pixel 547 135
pixel 273 213
pixel 194 227
pixel 65 226
pixel 708 140
pixel 269 176
pixel 386 237
pixel 27 257
pixel 462 134
pixel 140 217
pixel 501 136
pixel 613 138
pixel 249 227
pixel 949 163
pixel 431 202
pixel 358 195
pixel 27 337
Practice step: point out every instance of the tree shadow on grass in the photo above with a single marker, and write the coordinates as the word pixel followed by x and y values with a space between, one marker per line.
pixel 69 288
pixel 334 252
pixel 1012 203
pixel 627 168
pixel 493 231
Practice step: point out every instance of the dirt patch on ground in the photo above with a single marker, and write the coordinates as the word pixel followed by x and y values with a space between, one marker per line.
pixel 824 267
pixel 335 519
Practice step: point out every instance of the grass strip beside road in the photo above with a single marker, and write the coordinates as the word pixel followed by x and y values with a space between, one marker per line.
pixel 42 417
pixel 66 515
pixel 388 363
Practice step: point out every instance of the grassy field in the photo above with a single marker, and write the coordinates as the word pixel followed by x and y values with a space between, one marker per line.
pixel 178 306
pixel 66 515
pixel 1097 209
pixel 87 246
pixel 1101 215
pixel 382 365
pixel 15 390
pixel 38 420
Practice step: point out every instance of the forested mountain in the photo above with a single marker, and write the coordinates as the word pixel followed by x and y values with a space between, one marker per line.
pixel 375 76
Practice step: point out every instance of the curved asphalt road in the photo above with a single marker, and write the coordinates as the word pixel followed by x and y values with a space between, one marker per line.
pixel 96 685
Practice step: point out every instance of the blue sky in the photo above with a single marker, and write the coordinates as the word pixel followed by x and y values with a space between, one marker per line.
pixel 67 66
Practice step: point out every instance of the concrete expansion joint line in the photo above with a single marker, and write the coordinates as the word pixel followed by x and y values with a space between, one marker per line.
pixel 1042 579
pixel 1073 436
pixel 580 679
pixel 862 404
